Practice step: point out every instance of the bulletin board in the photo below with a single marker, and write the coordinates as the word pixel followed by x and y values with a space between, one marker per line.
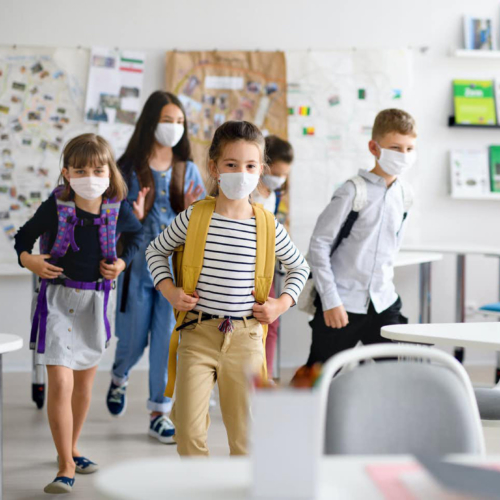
pixel 42 94
pixel 215 87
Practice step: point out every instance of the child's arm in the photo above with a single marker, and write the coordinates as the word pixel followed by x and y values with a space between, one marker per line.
pixel 44 220
pixel 131 234
pixel 157 254
pixel 297 272
pixel 325 234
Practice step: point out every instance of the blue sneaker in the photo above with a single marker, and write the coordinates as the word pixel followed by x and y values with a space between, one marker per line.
pixel 116 400
pixel 61 484
pixel 162 428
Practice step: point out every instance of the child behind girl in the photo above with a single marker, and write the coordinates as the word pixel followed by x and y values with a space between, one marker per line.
pixel 79 225
pixel 162 182
pixel 279 156
pixel 218 311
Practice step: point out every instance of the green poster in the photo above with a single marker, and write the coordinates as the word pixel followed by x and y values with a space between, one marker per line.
pixel 474 102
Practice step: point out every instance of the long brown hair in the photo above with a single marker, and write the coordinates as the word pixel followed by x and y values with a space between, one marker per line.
pixel 141 145
pixel 92 150
pixel 233 131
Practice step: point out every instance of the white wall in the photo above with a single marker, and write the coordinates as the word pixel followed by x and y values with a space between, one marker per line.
pixel 159 25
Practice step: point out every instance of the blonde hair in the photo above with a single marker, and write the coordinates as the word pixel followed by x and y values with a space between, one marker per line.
pixel 393 120
pixel 229 132
pixel 92 150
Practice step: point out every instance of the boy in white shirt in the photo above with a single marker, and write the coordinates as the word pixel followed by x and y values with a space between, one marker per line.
pixel 353 272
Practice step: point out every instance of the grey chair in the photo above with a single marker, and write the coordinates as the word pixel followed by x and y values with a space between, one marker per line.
pixel 488 402
pixel 398 407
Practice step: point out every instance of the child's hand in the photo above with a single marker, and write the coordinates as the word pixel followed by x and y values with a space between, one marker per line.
pixel 272 309
pixel 138 205
pixel 336 317
pixel 177 297
pixel 112 271
pixel 191 196
pixel 38 264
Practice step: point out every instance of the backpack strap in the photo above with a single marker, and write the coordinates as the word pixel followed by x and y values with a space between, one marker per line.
pixel 107 228
pixel 187 264
pixel 177 182
pixel 359 202
pixel 407 195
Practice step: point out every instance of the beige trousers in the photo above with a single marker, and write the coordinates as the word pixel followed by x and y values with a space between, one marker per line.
pixel 206 356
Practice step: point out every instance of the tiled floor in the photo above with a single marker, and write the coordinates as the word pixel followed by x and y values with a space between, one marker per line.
pixel 29 455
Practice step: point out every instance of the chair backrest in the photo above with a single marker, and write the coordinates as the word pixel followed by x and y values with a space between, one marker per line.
pixel 404 407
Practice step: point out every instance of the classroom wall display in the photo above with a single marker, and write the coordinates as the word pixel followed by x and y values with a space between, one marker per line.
pixel 218 86
pixel 479 33
pixel 114 86
pixel 333 98
pixel 42 94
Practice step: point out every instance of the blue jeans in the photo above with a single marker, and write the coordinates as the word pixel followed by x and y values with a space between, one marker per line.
pixel 148 317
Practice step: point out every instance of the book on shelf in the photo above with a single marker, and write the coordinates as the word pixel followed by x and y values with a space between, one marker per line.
pixel 494 155
pixel 474 102
pixel 479 33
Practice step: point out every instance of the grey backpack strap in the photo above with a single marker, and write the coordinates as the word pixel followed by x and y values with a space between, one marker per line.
pixel 361 196
pixel 407 195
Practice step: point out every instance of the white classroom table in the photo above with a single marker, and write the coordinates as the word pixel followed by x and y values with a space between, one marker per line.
pixel 8 343
pixel 424 260
pixel 341 477
pixel 461 250
pixel 478 335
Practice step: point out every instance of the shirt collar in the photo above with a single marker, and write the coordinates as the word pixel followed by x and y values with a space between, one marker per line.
pixel 373 178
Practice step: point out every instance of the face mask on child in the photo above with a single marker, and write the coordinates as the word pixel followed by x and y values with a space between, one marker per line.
pixel 394 162
pixel 89 188
pixel 169 134
pixel 238 185
pixel 273 182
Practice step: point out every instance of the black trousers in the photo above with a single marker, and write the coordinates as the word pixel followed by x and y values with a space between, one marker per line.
pixel 327 341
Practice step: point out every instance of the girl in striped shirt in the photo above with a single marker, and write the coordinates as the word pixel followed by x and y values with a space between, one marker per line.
pixel 225 291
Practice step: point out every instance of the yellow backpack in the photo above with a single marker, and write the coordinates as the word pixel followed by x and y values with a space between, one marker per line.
pixel 188 262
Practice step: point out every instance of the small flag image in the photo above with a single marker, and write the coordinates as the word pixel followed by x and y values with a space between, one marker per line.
pixel 304 110
pixel 308 131
pixel 361 94
pixel 396 93
pixel 291 111
pixel 132 65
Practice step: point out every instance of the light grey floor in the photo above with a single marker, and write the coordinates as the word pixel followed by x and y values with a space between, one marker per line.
pixel 29 454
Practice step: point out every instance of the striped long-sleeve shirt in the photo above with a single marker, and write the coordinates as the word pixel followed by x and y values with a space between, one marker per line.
pixel 228 274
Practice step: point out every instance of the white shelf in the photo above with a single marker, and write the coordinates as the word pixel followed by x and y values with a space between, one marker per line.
pixel 476 54
pixel 479 197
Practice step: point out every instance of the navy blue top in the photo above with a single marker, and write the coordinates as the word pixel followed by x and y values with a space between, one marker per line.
pixel 82 265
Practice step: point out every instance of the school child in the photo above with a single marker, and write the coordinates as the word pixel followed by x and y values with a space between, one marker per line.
pixel 356 240
pixel 162 181
pixel 279 155
pixel 225 250
pixel 79 225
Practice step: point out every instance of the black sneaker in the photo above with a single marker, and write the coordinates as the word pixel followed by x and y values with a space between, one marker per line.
pixel 116 400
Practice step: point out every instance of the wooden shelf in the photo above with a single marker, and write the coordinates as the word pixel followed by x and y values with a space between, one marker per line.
pixel 451 123
pixel 476 54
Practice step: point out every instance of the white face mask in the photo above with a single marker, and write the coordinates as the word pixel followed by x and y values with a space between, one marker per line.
pixel 274 182
pixel 169 134
pixel 394 162
pixel 89 188
pixel 238 185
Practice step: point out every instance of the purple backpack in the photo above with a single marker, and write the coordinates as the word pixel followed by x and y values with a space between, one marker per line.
pixel 67 221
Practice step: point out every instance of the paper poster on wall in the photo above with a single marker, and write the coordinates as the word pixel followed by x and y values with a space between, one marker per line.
pixel 118 135
pixel 218 86
pixel 42 93
pixel 114 86
pixel 333 98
